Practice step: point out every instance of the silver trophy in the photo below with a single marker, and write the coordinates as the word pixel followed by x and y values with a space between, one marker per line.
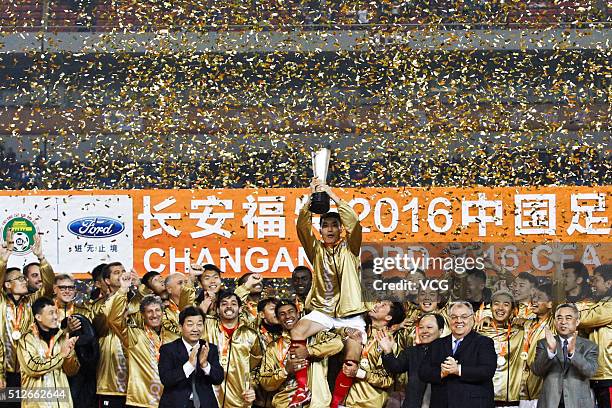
pixel 319 201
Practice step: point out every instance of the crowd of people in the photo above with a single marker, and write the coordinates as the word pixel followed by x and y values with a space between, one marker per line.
pixel 186 340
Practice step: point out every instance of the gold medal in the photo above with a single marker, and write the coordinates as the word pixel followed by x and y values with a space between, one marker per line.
pixel 364 363
pixel 524 355
pixel 16 335
pixel 501 360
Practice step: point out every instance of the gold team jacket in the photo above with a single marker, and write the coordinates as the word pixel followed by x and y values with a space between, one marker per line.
pixel 508 343
pixel 44 368
pixel 336 278
pixel 370 391
pixel 144 388
pixel 534 331
pixel 170 316
pixel 20 313
pixel 112 370
pixel 596 319
pixel 274 378
pixel 239 356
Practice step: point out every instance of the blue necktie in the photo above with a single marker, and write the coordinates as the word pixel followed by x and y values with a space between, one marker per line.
pixel 564 351
pixel 456 345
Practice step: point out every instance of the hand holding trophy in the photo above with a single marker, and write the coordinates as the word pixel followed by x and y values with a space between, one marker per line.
pixel 319 200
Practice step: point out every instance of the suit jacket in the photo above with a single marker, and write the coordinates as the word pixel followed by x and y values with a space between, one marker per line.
pixel 571 379
pixel 474 388
pixel 177 387
pixel 409 360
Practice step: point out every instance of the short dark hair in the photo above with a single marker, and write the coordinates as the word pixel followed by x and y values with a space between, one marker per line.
pixel 61 277
pixel 330 214
pixel 571 306
pixel 528 277
pixel 209 267
pixel 605 271
pixel 397 313
pixel 150 300
pixel 9 270
pixel 261 305
pixel 547 289
pixel 26 269
pixel 147 277
pixel 188 312
pixel 96 273
pixel 439 320
pixel 284 302
pixel 226 294
pixel 106 270
pixel 40 303
pixel 301 268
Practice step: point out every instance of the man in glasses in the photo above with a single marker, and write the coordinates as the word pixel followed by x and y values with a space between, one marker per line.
pixel 15 304
pixel 460 367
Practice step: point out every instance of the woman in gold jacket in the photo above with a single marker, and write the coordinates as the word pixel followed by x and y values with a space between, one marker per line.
pixel 46 356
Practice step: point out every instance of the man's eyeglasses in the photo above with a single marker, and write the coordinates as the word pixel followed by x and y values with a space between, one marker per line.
pixel 66 288
pixel 464 317
pixel 19 278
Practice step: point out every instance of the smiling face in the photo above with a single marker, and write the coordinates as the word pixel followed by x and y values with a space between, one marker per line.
pixel 428 300
pixel 211 281
pixel 462 320
pixel 541 305
pixel 47 318
pixel 192 328
pixel 287 316
pixel 501 308
pixel 152 315
pixel 566 321
pixel 522 290
pixel 34 277
pixel 229 309
pixel 174 284
pixel 65 290
pixel 15 283
pixel 428 329
pixel 330 230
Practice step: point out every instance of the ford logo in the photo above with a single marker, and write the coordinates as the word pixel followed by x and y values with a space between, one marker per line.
pixel 96 227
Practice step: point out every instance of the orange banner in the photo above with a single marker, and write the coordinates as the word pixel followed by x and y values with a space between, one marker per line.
pixel 244 230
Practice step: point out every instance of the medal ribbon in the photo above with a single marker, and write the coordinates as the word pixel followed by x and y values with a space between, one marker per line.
pixel 17 313
pixel 173 306
pixel 504 348
pixel 156 341
pixel 530 334
pixel 69 309
pixel 283 350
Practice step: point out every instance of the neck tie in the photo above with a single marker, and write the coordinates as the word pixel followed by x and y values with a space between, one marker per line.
pixel 565 350
pixel 456 345
pixel 194 392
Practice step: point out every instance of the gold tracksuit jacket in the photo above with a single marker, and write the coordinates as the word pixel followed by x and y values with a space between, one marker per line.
pixel 596 319
pixel 370 391
pixel 534 331
pixel 144 388
pixel 274 378
pixel 508 376
pixel 336 278
pixel 109 322
pixel 239 356
pixel 9 311
pixel 41 368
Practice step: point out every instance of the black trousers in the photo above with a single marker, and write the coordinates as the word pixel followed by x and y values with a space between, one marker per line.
pixel 111 401
pixel 13 380
pixel 603 395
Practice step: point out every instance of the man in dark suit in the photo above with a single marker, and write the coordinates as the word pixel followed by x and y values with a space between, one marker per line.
pixel 189 367
pixel 566 362
pixel 460 367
